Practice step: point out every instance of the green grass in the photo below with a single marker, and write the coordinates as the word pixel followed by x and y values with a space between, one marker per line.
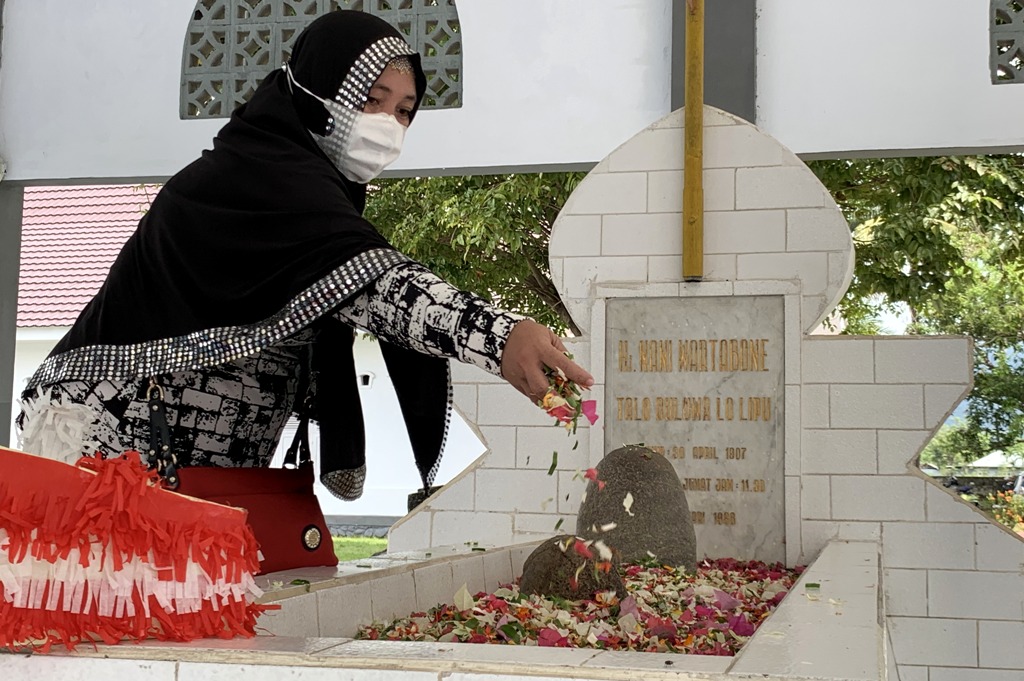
pixel 354 548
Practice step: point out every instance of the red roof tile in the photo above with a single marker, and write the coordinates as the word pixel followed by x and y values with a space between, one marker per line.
pixel 69 239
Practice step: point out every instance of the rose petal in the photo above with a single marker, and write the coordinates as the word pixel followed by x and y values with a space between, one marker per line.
pixel 581 548
pixel 551 638
pixel 726 602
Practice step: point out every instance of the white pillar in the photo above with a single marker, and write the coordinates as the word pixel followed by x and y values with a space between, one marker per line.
pixel 11 196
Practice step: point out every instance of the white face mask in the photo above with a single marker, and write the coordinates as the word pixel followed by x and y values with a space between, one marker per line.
pixel 373 144
pixel 360 145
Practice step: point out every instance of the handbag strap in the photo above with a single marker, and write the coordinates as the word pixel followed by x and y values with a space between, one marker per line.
pixel 160 452
pixel 298 452
pixel 166 461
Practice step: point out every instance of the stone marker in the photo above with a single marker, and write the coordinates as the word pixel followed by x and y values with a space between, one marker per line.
pixel 551 571
pixel 643 497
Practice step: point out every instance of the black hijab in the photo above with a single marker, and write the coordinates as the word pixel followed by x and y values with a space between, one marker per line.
pixel 258 239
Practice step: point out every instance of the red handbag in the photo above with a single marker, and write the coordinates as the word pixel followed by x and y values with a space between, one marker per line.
pixel 283 512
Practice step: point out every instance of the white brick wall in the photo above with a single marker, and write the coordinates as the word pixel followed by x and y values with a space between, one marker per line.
pixel 876 406
pixel 975 594
pixel 609 193
pixel 753 231
pixel 536 446
pixel 815 496
pixel 791 440
pixel 501 405
pixel 1000 645
pixel 935 641
pixel 804 233
pixel 457 527
pixel 665 190
pixel 906 592
pixel 939 398
pixel 501 445
pixel 742 146
pixel 810 267
pixel 998 549
pixel 928 545
pixel 858 410
pixel 837 451
pixel 906 360
pixel 641 234
pixel 896 447
pixel 961 674
pixel 581 275
pixel 789 187
pixel 515 491
pixel 814 406
pixel 913 673
pixel 530 526
pixel 828 359
pixel 877 497
pixel 460 495
pixel 579 235
pixel 943 506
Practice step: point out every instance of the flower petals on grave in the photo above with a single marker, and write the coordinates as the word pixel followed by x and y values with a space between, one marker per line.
pixel 712 612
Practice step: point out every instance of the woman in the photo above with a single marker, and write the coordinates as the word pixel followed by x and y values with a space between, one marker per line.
pixel 236 299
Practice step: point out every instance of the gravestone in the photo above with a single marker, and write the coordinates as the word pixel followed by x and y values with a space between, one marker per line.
pixel 557 569
pixel 637 506
pixel 700 382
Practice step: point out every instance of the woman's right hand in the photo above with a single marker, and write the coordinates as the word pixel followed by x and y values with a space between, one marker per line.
pixel 529 350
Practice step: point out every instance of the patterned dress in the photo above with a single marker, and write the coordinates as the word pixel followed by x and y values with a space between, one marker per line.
pixel 233 414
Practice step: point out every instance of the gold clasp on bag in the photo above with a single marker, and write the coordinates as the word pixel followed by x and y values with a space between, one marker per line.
pixel 311 538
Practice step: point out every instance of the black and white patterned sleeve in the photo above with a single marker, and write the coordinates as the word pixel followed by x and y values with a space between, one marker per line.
pixel 412 307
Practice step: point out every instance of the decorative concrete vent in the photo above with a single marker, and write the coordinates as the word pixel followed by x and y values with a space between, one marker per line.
pixel 1006 30
pixel 232 45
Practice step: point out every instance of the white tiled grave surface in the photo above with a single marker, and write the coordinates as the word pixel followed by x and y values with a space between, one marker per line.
pixel 829 633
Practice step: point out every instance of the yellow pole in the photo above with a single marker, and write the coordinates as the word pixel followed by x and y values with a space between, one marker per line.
pixel 693 152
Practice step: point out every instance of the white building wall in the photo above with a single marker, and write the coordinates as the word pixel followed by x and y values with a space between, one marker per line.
pixel 857 409
pixel 31 348
pixel 875 75
pixel 90 89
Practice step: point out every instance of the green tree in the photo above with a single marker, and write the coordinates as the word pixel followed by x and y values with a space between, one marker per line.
pixel 955 445
pixel 909 216
pixel 941 237
pixel 484 233
pixel 985 299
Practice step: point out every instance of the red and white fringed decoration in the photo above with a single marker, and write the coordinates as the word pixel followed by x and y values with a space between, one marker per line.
pixel 98 552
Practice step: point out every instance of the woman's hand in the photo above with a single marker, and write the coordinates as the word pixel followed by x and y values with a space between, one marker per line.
pixel 531 347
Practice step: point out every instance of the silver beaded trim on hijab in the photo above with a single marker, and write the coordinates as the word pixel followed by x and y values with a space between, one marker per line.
pixel 355 89
pixel 211 347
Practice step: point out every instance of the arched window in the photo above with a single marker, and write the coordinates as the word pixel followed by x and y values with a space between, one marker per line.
pixel 231 45
pixel 1006 45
